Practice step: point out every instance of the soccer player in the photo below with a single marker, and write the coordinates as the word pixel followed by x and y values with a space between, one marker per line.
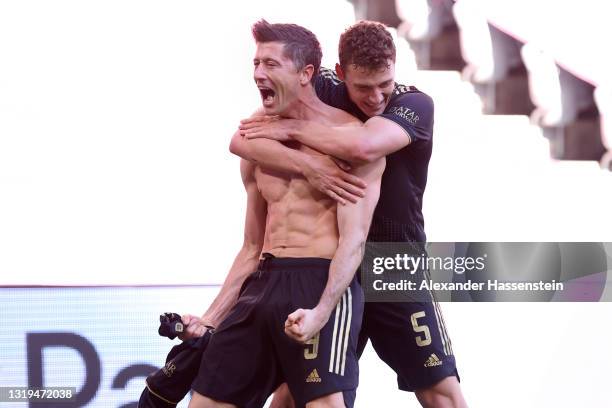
pixel 308 249
pixel 410 337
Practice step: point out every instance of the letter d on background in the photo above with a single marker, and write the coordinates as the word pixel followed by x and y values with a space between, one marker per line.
pixel 36 342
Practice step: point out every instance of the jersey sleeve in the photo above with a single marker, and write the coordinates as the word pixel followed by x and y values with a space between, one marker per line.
pixel 414 112
pixel 327 86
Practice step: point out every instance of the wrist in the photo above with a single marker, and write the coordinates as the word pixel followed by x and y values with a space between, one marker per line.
pixel 322 312
pixel 208 321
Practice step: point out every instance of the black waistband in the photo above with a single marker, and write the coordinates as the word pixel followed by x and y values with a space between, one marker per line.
pixel 270 261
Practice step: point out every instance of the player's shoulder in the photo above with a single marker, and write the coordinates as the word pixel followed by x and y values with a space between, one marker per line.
pixel 410 108
pixel 341 118
pixel 326 74
pixel 408 94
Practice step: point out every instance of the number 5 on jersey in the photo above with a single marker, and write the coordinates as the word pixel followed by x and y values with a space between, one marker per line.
pixel 424 340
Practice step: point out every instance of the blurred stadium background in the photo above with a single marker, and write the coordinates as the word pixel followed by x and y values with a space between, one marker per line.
pixel 119 199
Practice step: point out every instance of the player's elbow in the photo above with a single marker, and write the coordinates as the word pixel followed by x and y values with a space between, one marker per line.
pixel 251 249
pixel 234 146
pixel 252 245
pixel 238 146
pixel 354 243
pixel 363 152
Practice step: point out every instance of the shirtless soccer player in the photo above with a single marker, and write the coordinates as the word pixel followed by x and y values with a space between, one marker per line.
pixel 307 248
pixel 410 337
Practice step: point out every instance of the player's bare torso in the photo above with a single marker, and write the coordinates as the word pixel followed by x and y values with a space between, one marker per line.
pixel 301 220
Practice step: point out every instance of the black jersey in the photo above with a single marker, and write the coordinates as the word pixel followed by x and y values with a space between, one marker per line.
pixel 398 215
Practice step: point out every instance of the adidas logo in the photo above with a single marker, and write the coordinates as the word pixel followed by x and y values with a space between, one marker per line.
pixel 313 377
pixel 433 361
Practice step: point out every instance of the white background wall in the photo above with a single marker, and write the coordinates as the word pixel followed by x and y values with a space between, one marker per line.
pixel 115 119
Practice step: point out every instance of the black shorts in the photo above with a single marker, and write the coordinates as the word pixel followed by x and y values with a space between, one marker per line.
pixel 250 355
pixel 411 338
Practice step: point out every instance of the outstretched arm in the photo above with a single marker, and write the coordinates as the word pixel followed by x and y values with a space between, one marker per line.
pixel 245 262
pixel 353 226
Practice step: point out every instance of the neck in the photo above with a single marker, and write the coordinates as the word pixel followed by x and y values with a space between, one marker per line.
pixel 307 106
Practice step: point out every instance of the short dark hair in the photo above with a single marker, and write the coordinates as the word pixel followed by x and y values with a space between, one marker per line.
pixel 300 44
pixel 366 44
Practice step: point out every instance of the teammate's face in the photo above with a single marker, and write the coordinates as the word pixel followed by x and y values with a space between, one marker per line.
pixel 276 77
pixel 370 90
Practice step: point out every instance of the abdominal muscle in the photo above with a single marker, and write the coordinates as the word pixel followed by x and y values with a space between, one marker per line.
pixel 301 221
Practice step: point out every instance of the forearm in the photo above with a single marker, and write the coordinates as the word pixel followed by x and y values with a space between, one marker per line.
pixel 342 269
pixel 268 153
pixel 245 263
pixel 348 143
pixel 353 227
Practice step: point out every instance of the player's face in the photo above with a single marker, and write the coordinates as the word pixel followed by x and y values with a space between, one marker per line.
pixel 276 77
pixel 370 90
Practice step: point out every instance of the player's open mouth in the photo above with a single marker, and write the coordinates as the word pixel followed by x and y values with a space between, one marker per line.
pixel 267 95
